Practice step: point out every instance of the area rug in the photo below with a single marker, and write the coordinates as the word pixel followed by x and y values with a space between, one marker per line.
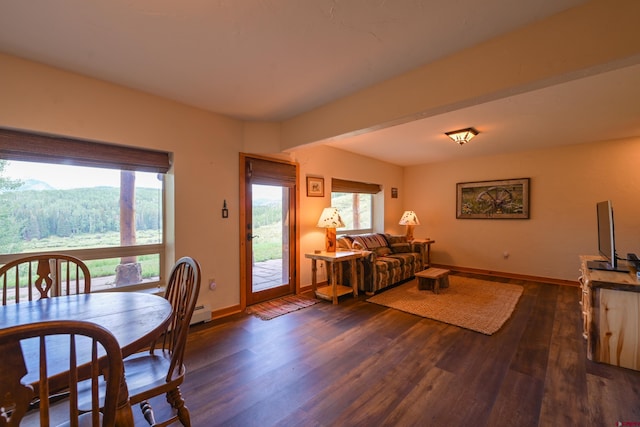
pixel 474 304
pixel 269 309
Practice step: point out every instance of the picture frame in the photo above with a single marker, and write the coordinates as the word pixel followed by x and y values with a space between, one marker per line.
pixel 315 186
pixel 498 199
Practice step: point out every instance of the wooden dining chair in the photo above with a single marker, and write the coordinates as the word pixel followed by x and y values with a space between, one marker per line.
pixel 89 350
pixel 161 369
pixel 43 275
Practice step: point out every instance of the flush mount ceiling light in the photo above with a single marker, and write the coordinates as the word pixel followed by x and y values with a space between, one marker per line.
pixel 462 136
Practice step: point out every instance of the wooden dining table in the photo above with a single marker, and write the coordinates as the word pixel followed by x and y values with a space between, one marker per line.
pixel 135 319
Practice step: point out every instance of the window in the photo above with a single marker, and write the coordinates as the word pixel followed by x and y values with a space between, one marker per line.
pixel 354 201
pixel 355 210
pixel 86 199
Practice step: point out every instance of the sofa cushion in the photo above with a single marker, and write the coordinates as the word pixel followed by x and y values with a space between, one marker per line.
pixel 404 258
pixel 388 263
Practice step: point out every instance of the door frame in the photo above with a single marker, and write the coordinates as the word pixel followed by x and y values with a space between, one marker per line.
pixel 242 235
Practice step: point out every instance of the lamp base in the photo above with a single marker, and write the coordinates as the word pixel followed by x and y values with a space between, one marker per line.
pixel 410 232
pixel 331 240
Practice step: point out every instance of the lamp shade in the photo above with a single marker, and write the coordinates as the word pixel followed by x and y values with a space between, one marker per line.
pixel 409 218
pixel 330 218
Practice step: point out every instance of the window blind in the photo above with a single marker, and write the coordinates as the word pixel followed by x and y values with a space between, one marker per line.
pixel 271 172
pixel 344 186
pixel 35 147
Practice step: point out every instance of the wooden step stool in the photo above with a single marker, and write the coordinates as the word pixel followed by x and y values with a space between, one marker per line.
pixel 433 279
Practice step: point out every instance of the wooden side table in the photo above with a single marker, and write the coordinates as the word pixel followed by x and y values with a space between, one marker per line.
pixel 426 251
pixel 334 261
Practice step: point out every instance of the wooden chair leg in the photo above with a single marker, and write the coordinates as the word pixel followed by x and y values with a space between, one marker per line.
pixel 147 411
pixel 174 397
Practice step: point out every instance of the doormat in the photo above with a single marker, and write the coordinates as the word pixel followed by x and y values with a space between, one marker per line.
pixel 269 309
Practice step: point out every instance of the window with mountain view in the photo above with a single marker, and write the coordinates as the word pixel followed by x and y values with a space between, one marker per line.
pixel 110 218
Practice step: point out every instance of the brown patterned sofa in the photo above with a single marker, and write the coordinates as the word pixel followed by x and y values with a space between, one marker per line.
pixel 389 260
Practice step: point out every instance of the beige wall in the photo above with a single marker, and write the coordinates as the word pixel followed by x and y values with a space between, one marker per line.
pixel 327 162
pixel 205 149
pixel 566 183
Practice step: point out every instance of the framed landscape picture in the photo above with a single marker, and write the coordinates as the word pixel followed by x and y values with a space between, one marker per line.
pixel 315 187
pixel 501 199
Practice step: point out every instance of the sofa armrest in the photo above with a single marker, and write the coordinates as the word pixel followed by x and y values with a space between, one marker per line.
pixel 369 256
pixel 418 246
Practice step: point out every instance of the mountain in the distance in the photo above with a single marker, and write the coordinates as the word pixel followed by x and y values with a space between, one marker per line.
pixel 34 185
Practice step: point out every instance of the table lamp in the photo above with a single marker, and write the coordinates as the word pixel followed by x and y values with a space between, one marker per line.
pixel 330 219
pixel 410 219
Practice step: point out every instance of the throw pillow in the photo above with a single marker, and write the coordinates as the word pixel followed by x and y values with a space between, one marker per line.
pixel 398 248
pixel 395 238
pixel 344 242
pixel 383 251
pixel 369 241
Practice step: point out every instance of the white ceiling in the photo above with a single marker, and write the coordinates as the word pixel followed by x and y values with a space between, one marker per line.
pixel 274 59
pixel 597 108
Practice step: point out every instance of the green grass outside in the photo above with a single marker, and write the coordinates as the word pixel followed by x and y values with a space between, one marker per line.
pixel 101 267
pixel 268 246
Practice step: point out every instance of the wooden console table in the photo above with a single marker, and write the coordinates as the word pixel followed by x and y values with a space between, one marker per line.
pixel 334 261
pixel 611 315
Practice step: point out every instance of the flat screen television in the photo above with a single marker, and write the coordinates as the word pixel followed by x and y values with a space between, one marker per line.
pixel 606 240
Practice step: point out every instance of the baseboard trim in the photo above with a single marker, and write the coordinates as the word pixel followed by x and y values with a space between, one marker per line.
pixel 225 312
pixel 509 275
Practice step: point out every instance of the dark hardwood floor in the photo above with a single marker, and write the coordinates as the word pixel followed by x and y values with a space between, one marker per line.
pixel 361 364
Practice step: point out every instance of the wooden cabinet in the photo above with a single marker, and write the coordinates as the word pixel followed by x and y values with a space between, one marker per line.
pixel 611 315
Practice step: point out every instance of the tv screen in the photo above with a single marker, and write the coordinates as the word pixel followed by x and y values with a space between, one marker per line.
pixel 605 231
pixel 606 239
